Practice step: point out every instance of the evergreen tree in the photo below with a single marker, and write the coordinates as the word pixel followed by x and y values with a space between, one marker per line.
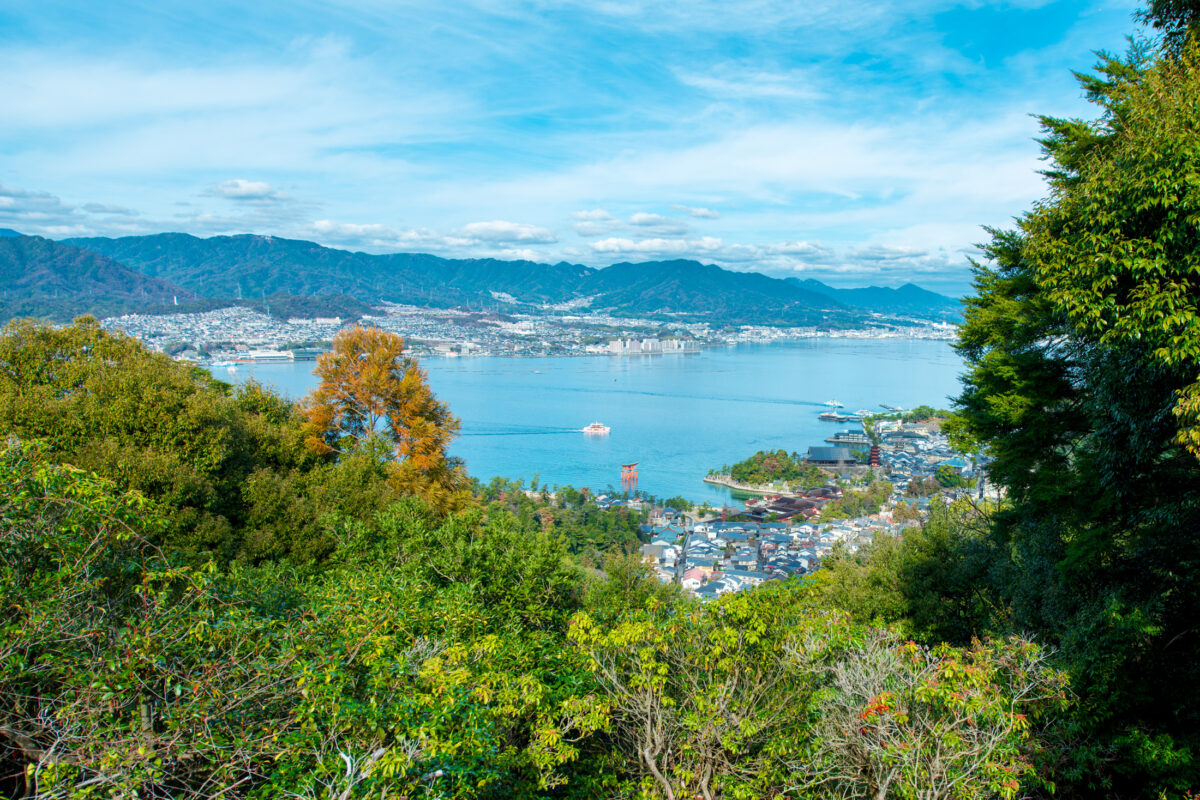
pixel 1083 347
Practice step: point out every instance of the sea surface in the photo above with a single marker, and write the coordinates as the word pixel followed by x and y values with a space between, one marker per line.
pixel 677 416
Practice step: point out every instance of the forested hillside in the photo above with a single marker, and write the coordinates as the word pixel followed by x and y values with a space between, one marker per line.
pixel 42 277
pixel 249 266
pixel 208 590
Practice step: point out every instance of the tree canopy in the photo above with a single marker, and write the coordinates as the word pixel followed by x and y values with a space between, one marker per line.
pixel 371 392
pixel 1083 346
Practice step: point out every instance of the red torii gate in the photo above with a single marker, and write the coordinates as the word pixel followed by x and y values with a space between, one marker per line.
pixel 629 477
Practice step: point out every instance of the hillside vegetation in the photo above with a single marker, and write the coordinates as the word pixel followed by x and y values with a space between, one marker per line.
pixel 209 592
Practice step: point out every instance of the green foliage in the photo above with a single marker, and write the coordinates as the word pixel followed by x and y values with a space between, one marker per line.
pixel 202 606
pixel 761 693
pixel 924 414
pixel 1083 344
pixel 1177 19
pixel 677 503
pixel 459 656
pixel 628 585
pixel 949 477
pixel 589 531
pixel 859 504
pixel 938 580
pixel 900 720
pixel 768 467
pixel 123 674
pixel 228 465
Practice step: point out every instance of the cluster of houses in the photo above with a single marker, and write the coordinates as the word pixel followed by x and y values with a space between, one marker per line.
pixel 711 558
pixel 784 535
pixel 911 450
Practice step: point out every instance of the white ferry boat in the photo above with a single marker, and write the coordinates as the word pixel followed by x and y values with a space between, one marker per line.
pixel 833 404
pixel 596 429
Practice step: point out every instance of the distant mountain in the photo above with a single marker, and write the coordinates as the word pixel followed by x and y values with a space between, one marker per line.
pixel 9 232
pixel 705 290
pixel 290 275
pixel 250 266
pixel 908 299
pixel 41 277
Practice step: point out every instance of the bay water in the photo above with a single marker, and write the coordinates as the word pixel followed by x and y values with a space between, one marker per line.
pixel 677 416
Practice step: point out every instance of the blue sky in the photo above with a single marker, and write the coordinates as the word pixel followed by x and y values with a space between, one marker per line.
pixel 853 142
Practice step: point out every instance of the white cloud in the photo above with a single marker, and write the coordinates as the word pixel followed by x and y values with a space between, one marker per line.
pixel 699 213
pixel 503 231
pixel 520 254
pixel 239 189
pixel 807 250
pixel 642 218
pixel 595 215
pixel 350 230
pixel 475 240
pixel 40 213
pixel 660 225
pixel 659 246
pixel 885 254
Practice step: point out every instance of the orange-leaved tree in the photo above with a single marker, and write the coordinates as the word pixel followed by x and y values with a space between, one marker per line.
pixel 372 395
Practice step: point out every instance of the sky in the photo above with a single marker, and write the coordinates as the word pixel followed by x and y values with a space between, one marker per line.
pixel 855 142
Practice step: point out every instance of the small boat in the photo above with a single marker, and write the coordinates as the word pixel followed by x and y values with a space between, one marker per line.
pixel 596 429
pixel 862 412
pixel 833 403
pixel 232 368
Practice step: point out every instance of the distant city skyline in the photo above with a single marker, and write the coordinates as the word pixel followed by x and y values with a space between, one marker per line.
pixel 854 142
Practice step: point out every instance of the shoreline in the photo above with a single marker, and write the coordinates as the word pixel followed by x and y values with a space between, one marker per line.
pixel 733 486
pixel 421 354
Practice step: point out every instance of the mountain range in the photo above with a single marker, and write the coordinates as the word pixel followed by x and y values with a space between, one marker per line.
pixel 44 278
pixel 148 273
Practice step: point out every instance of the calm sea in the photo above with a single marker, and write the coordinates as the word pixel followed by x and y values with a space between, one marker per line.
pixel 677 416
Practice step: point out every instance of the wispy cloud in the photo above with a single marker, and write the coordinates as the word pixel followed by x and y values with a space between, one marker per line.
pixel 741 83
pixel 867 139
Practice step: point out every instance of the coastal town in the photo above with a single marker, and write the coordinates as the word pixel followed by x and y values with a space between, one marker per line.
pixel 787 530
pixel 782 529
pixel 233 334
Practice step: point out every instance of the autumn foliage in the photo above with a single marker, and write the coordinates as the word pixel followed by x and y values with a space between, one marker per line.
pixel 372 395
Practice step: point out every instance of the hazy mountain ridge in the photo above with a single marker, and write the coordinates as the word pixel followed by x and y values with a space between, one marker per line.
pixel 908 299
pixel 687 287
pixel 252 267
